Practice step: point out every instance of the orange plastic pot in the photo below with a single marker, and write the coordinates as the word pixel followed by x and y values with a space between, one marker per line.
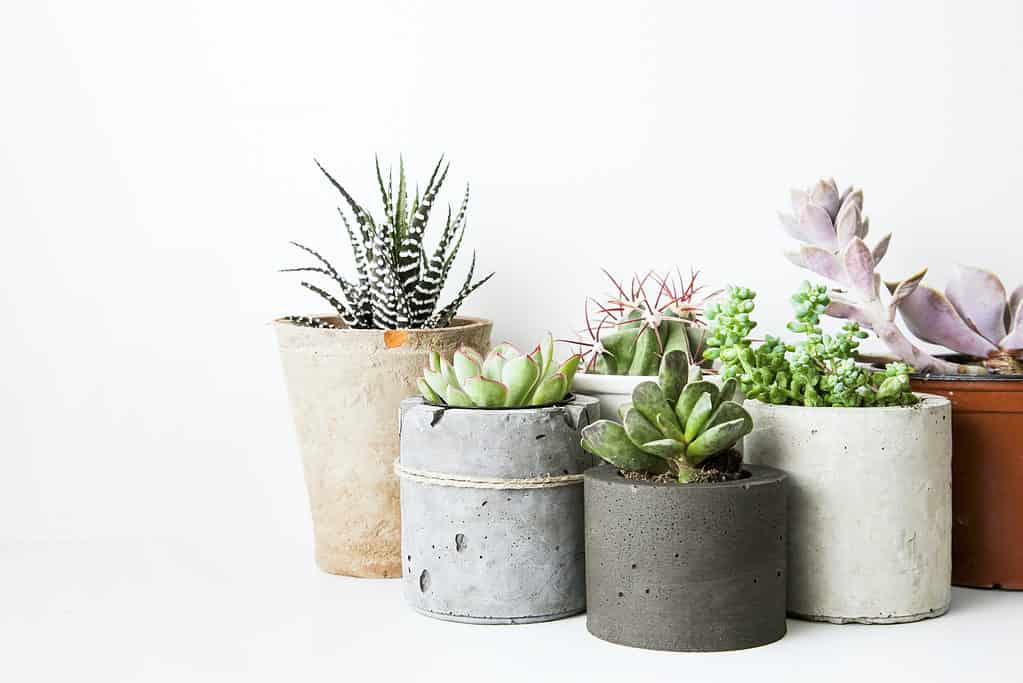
pixel 987 477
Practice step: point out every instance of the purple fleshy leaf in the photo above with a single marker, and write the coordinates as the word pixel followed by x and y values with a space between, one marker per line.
pixel 864 228
pixel 820 261
pixel 1014 340
pixel 859 268
pixel 881 248
pixel 979 298
pixel 792 227
pixel 799 200
pixel 845 193
pixel 1016 313
pixel 817 226
pixel 825 195
pixel 847 310
pixel 931 317
pixel 903 289
pixel 847 225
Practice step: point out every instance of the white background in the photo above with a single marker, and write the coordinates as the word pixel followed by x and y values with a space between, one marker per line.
pixel 155 158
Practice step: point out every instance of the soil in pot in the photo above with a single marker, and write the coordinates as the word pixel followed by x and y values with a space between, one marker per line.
pixel 987 477
pixel 686 567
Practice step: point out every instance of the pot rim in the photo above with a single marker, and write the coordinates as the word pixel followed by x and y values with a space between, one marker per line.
pixel 567 400
pixel 759 474
pixel 467 323
pixel 926 400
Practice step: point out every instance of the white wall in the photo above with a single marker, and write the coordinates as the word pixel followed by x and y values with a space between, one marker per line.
pixel 156 157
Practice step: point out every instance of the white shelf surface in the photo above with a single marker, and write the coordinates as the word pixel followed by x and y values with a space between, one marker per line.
pixel 131 610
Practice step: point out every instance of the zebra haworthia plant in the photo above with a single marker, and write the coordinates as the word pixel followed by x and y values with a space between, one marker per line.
pixel 506 378
pixel 633 329
pixel 975 317
pixel 397 284
pixel 676 425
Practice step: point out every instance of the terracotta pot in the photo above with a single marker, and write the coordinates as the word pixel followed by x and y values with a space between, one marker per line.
pixel 987 477
pixel 345 387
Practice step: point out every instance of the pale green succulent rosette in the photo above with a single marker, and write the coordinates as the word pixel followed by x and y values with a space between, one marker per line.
pixel 505 378
pixel 672 425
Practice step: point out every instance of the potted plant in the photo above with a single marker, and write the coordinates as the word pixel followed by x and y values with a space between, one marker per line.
pixel 347 371
pixel 491 495
pixel 868 461
pixel 627 333
pixel 685 548
pixel 978 321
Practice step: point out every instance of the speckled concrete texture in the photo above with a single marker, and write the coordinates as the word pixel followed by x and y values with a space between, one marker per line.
pixel 345 387
pixel 687 568
pixel 869 508
pixel 491 555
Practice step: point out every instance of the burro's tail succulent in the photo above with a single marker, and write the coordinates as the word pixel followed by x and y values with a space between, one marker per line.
pixel 629 331
pixel 832 228
pixel 506 378
pixel 677 424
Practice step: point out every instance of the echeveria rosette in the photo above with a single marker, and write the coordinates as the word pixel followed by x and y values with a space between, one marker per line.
pixel 673 425
pixel 506 378
pixel 832 228
pixel 975 316
pixel 819 371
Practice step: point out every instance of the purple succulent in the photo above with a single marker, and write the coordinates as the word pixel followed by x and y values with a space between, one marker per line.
pixel 832 228
pixel 974 317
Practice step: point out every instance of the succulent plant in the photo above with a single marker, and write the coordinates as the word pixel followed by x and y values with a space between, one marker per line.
pixel 398 284
pixel 675 425
pixel 506 378
pixel 974 317
pixel 633 329
pixel 820 371
pixel 832 227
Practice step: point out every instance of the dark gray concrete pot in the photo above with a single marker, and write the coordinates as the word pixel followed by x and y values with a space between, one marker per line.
pixel 688 568
pixel 480 542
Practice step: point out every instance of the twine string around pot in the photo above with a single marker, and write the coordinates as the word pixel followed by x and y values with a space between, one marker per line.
pixel 546 481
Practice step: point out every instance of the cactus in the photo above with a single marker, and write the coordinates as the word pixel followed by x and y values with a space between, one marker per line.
pixel 821 371
pixel 398 284
pixel 677 425
pixel 976 318
pixel 632 330
pixel 506 378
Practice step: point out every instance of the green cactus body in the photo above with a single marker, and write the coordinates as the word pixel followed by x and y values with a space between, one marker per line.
pixel 646 358
pixel 505 378
pixel 676 435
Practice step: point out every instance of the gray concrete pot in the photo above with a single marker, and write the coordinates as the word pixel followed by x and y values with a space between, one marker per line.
pixel 687 568
pixel 492 511
pixel 870 512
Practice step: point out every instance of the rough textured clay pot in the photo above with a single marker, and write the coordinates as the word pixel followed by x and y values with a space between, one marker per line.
pixel 694 567
pixel 870 511
pixel 987 477
pixel 345 387
pixel 492 511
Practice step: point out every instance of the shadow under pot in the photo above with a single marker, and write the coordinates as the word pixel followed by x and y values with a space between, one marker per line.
pixel 987 476
pixel 686 567
pixel 492 510
pixel 870 510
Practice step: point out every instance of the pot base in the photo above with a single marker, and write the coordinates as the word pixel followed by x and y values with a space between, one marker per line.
pixel 905 619
pixel 498 621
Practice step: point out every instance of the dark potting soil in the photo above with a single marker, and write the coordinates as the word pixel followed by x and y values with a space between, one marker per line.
pixel 722 467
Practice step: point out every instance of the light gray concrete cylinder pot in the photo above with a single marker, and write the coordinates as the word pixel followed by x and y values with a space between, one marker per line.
pixel 492 511
pixel 687 568
pixel 870 511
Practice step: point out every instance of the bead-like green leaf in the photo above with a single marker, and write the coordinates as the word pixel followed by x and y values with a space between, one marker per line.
pixel 608 440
